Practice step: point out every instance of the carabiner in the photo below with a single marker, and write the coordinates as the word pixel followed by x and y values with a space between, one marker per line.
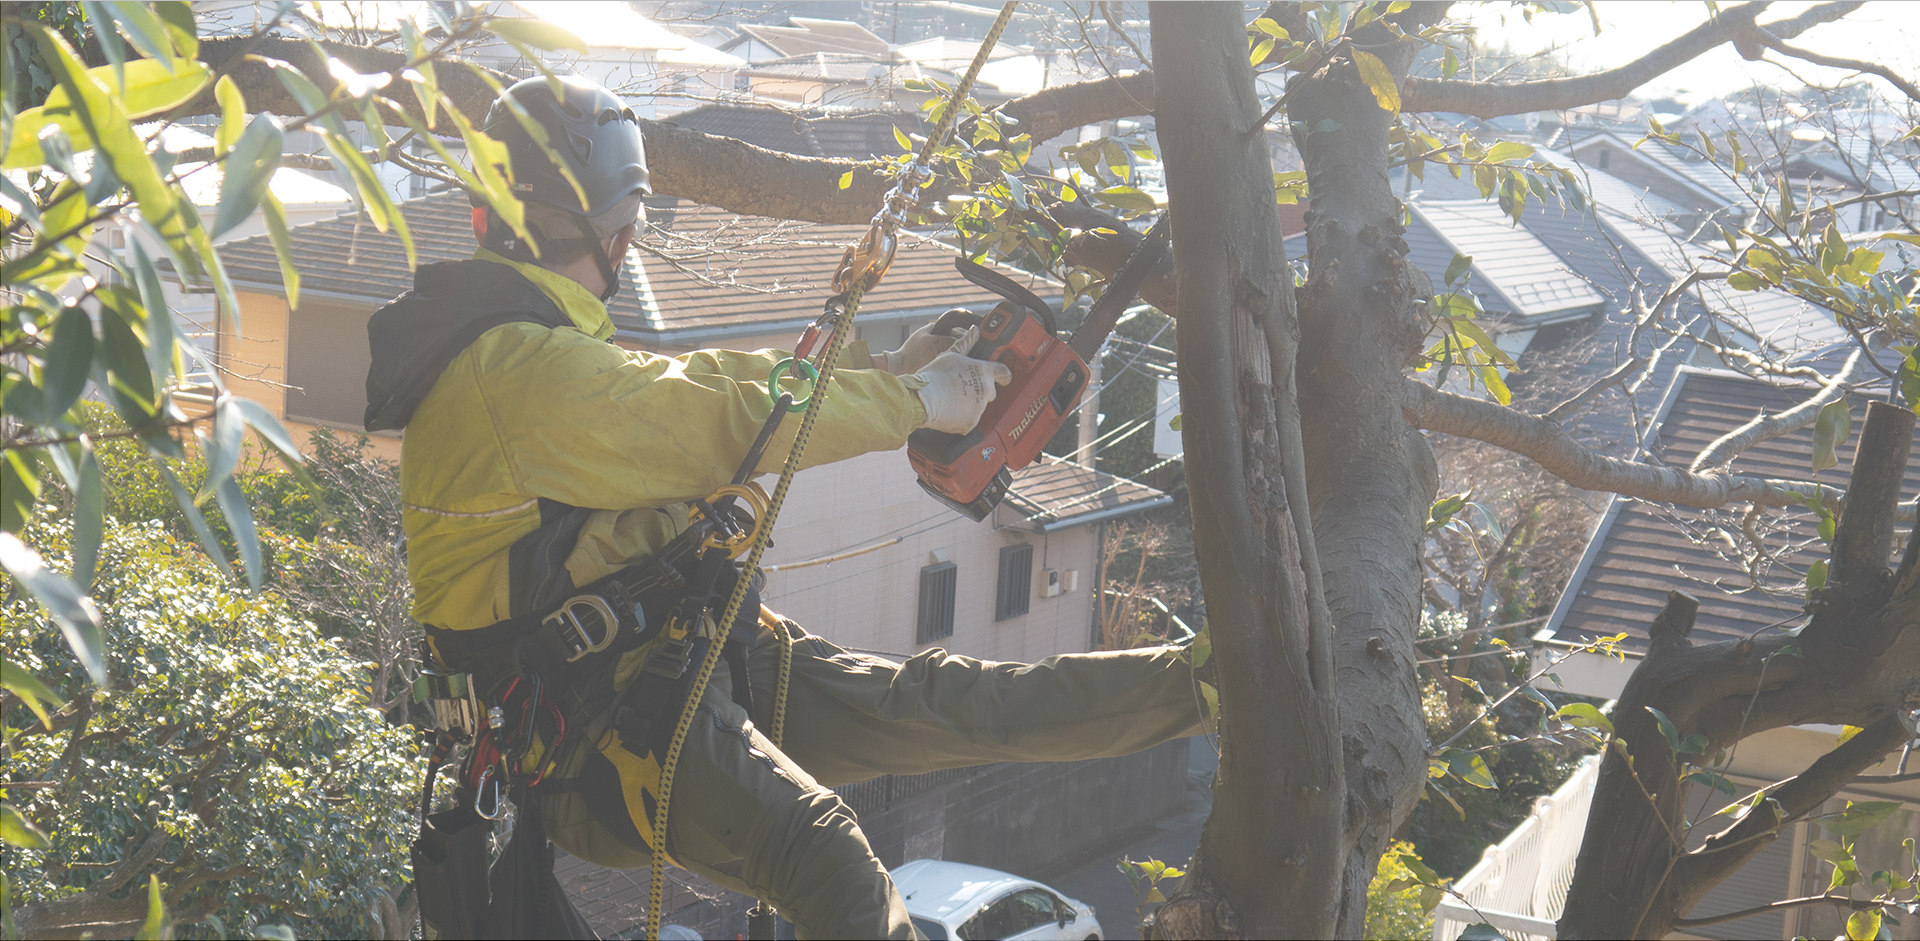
pixel 499 801
pixel 734 543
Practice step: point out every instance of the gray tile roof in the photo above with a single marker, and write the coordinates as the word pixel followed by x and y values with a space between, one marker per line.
pixel 1051 493
pixel 1640 551
pixel 1509 260
pixel 813 133
pixel 772 275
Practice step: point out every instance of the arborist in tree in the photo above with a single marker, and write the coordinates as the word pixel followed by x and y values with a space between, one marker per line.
pixel 548 480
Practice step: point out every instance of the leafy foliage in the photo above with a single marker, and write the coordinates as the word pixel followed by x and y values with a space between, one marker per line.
pixel 228 729
pixel 1394 909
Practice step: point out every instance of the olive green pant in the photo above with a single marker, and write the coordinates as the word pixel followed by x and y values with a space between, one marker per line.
pixel 763 821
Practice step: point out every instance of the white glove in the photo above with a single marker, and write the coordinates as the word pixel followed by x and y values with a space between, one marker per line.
pixel 955 389
pixel 919 350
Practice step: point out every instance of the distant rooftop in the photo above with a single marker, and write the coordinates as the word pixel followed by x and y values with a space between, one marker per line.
pixel 1531 281
pixel 1053 493
pixel 814 132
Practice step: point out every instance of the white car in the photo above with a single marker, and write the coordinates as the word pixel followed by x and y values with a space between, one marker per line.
pixel 958 902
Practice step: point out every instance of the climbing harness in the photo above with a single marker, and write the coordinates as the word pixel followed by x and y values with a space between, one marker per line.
pixel 861 269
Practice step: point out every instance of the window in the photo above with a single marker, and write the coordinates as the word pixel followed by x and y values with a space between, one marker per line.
pixel 937 584
pixel 1605 157
pixel 1016 581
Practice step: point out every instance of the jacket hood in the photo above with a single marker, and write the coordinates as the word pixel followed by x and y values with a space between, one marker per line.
pixel 452 303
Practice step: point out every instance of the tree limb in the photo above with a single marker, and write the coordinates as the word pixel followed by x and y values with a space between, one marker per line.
pixel 1859 905
pixel 1491 100
pixel 1559 454
pixel 1768 427
pixel 1767 39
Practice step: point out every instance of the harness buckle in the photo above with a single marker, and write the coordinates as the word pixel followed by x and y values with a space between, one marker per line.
pixel 453 701
pixel 573 630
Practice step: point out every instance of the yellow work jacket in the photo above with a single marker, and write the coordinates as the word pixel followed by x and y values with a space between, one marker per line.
pixel 530 417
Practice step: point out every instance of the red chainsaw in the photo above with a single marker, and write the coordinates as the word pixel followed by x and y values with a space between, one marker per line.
pixel 972 472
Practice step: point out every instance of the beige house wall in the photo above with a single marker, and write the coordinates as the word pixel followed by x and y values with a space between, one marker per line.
pixel 871 600
pixel 253 355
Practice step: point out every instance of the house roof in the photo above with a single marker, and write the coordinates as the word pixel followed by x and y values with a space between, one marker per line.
pixel 815 132
pixel 1053 493
pixel 1699 176
pixel 840 68
pixel 1641 551
pixel 701 273
pixel 616 26
pixel 804 35
pixel 1530 279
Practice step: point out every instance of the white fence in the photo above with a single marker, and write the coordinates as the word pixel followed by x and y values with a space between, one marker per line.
pixel 1520 885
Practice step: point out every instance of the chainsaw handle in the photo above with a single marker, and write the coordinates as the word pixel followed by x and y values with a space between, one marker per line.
pixel 955 322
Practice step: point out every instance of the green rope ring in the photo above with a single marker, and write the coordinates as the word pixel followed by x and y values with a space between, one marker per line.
pixel 785 365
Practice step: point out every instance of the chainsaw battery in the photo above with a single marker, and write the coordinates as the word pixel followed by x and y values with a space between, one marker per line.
pixel 971 472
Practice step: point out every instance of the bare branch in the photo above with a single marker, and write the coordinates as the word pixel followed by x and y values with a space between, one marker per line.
pixel 1780 906
pixel 1766 427
pixel 1491 100
pixel 1552 448
pixel 1761 35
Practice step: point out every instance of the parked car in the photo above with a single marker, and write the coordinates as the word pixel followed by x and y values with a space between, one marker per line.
pixel 958 902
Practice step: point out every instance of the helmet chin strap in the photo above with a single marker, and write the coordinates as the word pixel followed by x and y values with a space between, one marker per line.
pixel 607 272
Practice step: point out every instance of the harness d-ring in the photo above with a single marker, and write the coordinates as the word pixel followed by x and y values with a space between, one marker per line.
pixel 736 543
pixel 786 366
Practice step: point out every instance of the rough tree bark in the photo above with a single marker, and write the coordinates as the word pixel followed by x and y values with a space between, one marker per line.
pixel 1263 868
pixel 1856 663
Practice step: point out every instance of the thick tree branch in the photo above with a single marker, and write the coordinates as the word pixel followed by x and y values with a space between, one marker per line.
pixel 1492 99
pixel 1780 906
pixel 1553 449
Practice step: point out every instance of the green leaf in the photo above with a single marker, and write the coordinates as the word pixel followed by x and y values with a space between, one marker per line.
pixel 1863 925
pixel 19 487
pixel 426 82
pixel 201 532
pixel 269 429
pixel 282 238
pixel 1829 431
pixel 846 180
pixel 1443 509
pixel 900 137
pixel 247 171
pixel 1456 268
pixel 1469 767
pixel 1695 744
pixel 144 30
pixel 1585 716
pixel 89 517
pixel 72 610
pixel 146 89
pixel 1379 80
pixel 224 446
pixel 63 373
pixel 1859 817
pixel 124 356
pixel 1509 150
pixel 1430 896
pixel 155 927
pixel 17 830
pixel 1481 932
pixel 109 37
pixel 1127 197
pixel 539 34
pixel 1747 281
pixel 1712 779
pixel 1462 811
pixel 1174 423
pixel 1816 576
pixel 178 17
pixel 1666 728
pixel 1260 50
pixel 153 299
pixel 21 682
pixel 1271 28
pixel 233 505
pixel 1449 64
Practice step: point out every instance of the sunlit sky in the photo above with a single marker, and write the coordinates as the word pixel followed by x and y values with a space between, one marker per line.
pixel 1884 31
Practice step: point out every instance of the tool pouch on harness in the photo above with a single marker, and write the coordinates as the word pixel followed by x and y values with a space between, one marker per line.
pixel 450 872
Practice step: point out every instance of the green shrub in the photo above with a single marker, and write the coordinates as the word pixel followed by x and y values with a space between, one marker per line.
pixel 1396 915
pixel 231 732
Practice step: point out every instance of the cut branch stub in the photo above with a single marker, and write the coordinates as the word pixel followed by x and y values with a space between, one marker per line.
pixel 1670 629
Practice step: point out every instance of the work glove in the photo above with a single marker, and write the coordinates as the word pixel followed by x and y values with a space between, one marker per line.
pixel 955 389
pixel 924 344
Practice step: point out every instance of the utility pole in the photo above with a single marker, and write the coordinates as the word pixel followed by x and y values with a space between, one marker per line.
pixel 1083 454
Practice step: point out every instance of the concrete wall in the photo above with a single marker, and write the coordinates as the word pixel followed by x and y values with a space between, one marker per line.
pixel 1026 818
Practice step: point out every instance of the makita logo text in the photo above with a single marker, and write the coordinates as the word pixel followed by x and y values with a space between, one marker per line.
pixel 1032 411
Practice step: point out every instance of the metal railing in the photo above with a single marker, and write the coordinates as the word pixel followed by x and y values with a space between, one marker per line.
pixel 1520 885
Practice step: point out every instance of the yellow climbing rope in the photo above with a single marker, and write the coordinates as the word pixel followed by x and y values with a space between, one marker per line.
pixel 860 270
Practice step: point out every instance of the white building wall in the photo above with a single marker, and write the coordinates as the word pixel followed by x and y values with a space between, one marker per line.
pixel 871 600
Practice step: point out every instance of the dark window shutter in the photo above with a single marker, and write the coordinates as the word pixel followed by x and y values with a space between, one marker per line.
pixel 1016 581
pixel 937 590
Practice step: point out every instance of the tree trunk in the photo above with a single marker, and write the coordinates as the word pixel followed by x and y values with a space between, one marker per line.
pixel 1268 862
pixel 1855 663
pixel 1371 476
